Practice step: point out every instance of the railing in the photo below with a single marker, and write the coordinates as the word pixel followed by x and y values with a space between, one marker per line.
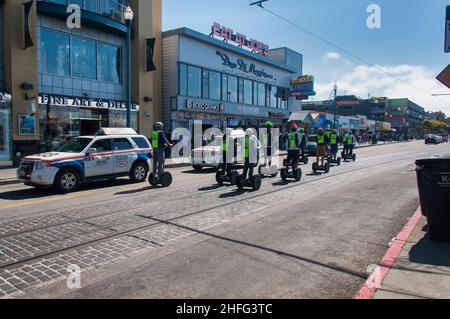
pixel 110 8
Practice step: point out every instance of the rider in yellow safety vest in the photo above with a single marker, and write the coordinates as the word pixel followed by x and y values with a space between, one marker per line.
pixel 250 153
pixel 159 143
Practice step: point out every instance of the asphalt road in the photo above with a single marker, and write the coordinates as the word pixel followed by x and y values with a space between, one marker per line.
pixel 314 239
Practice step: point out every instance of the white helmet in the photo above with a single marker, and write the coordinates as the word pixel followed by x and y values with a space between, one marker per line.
pixel 229 131
pixel 249 132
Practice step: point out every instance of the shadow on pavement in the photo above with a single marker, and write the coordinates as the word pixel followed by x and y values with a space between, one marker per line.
pixel 202 172
pixel 211 188
pixel 429 252
pixel 233 194
pixel 135 191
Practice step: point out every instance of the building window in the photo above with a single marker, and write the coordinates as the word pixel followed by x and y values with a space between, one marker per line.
pixel 255 93
pixel 84 58
pixel 225 95
pixel 261 94
pixel 109 61
pixel 248 92
pixel 241 90
pixel 272 90
pixel 233 89
pixel 194 81
pixel 55 53
pixel 205 84
pixel 214 85
pixel 183 80
pixel 283 97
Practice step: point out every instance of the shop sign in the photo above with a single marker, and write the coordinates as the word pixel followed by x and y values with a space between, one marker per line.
pixel 56 100
pixel 241 65
pixel 276 115
pixel 348 103
pixel 205 106
pixel 248 110
pixel 302 87
pixel 238 38
pixel 198 116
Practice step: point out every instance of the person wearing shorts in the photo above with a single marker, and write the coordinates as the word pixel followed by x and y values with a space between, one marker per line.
pixel 322 142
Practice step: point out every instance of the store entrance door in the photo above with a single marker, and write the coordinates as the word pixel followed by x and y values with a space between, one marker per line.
pixel 89 127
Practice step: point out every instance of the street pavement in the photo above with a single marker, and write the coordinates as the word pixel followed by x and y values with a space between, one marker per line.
pixel 314 239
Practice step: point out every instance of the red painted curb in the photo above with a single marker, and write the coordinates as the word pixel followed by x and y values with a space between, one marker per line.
pixel 372 284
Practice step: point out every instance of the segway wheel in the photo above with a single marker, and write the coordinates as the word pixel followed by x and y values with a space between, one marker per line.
pixel 256 183
pixel 240 182
pixel 260 170
pixel 327 168
pixel 234 178
pixel 219 177
pixel 284 174
pixel 152 180
pixel 354 157
pixel 298 175
pixel 339 161
pixel 314 167
pixel 305 160
pixel 166 180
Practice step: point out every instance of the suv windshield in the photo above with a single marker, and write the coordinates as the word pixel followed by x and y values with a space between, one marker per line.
pixel 312 138
pixel 76 145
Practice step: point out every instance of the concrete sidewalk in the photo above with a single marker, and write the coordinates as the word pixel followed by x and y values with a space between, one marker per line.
pixel 421 271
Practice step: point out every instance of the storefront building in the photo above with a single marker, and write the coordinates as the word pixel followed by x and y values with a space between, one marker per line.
pixel 222 84
pixel 67 80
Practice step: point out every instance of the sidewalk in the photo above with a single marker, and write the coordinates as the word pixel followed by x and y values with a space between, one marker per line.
pixel 8 175
pixel 421 270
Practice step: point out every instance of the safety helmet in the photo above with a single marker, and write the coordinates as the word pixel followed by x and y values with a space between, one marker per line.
pixel 159 125
pixel 321 130
pixel 350 133
pixel 249 132
pixel 229 131
pixel 335 131
pixel 269 124
pixel 302 130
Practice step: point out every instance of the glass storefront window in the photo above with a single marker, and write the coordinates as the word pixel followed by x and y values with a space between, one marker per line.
pixel 183 80
pixel 109 65
pixel 241 90
pixel 214 85
pixel 273 96
pixel 255 93
pixel 55 53
pixel 233 89
pixel 60 124
pixel 248 92
pixel 261 94
pixel 194 81
pixel 205 84
pixel 225 88
pixel 84 58
pixel 283 96
pixel 5 134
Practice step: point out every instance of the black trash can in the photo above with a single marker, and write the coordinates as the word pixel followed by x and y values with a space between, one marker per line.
pixel 433 177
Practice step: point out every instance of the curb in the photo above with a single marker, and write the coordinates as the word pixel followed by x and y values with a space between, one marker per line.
pixel 9 182
pixel 375 280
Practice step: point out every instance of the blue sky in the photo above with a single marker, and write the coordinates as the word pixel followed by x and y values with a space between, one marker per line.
pixel 409 44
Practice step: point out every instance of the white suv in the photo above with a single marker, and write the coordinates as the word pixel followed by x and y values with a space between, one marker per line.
pixel 111 154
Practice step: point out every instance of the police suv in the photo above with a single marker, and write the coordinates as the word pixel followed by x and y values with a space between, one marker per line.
pixel 111 154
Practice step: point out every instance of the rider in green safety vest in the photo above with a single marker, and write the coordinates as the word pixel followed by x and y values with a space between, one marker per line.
pixel 334 144
pixel 294 144
pixel 349 143
pixel 159 143
pixel 227 149
pixel 322 142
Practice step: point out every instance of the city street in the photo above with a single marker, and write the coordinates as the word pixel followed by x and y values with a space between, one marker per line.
pixel 313 239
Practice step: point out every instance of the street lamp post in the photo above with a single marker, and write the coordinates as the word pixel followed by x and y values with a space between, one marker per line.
pixel 128 16
pixel 335 88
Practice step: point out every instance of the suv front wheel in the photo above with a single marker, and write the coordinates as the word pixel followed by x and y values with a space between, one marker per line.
pixel 138 173
pixel 67 180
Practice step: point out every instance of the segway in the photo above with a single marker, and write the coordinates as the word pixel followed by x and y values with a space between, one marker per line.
pixel 286 174
pixel 225 178
pixel 348 157
pixel 319 168
pixel 302 159
pixel 165 180
pixel 337 161
pixel 254 182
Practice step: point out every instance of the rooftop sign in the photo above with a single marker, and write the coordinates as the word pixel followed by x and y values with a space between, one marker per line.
pixel 241 40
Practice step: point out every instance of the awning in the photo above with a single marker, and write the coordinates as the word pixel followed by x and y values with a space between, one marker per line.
pixel 301 117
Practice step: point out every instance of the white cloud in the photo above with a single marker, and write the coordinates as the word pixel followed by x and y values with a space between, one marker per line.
pixel 331 56
pixel 364 80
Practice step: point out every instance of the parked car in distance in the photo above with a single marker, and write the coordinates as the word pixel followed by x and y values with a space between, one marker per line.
pixel 211 156
pixel 111 154
pixel 444 138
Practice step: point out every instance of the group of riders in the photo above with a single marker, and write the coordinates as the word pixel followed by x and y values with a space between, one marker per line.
pixel 328 142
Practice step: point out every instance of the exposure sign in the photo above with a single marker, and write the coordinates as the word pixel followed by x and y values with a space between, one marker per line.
pixel 447 30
